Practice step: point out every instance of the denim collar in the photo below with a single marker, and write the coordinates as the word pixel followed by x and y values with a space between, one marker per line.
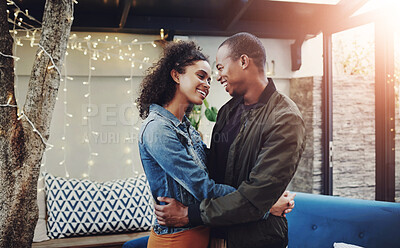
pixel 168 115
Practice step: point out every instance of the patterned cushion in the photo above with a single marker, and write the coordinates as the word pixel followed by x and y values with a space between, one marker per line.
pixel 82 207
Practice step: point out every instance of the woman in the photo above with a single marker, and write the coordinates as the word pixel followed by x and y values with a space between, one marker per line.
pixel 172 152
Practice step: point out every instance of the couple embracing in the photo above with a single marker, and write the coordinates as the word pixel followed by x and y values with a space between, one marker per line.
pixel 233 194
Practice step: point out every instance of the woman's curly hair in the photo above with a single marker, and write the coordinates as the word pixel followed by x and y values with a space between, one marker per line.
pixel 158 86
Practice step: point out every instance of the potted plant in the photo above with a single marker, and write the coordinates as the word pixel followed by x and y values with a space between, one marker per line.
pixel 196 114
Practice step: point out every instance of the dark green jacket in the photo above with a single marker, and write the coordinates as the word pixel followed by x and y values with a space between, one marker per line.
pixel 262 160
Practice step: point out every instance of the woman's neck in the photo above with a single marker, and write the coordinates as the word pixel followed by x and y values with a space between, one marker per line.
pixel 177 107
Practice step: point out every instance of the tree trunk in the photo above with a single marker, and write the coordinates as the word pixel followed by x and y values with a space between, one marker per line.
pixel 21 147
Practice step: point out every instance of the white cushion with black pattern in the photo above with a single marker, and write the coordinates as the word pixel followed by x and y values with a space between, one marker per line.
pixel 83 207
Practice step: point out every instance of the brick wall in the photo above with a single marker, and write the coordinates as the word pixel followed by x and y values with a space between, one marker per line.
pixel 307 95
pixel 353 136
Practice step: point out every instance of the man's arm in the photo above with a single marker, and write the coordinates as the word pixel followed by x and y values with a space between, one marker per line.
pixel 175 213
pixel 275 166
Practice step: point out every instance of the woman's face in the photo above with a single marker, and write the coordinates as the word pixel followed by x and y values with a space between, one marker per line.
pixel 194 84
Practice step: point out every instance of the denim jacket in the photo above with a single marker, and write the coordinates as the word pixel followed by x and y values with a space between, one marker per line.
pixel 173 158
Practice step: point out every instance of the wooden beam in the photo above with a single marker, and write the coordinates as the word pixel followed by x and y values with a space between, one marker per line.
pixel 356 21
pixel 124 12
pixel 348 7
pixel 384 112
pixel 336 15
pixel 237 11
pixel 211 27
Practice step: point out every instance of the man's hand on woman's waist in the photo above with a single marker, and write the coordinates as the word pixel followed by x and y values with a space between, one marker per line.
pixel 173 213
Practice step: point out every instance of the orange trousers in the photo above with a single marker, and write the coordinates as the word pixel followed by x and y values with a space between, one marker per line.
pixel 193 238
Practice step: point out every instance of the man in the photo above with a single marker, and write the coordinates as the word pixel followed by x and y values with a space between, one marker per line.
pixel 256 146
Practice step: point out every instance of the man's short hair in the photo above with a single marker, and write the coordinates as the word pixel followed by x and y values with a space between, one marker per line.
pixel 245 43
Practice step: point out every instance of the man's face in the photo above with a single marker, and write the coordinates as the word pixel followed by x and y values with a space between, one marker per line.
pixel 230 72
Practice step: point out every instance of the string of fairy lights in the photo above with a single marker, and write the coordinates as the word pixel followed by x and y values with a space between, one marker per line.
pixel 97 50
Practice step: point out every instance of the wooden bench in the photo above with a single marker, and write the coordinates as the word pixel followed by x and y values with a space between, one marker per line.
pixel 109 241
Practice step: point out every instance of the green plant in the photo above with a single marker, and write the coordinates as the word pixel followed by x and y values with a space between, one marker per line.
pixel 210 113
pixel 195 116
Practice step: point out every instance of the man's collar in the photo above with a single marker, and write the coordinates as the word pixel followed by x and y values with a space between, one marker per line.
pixel 268 91
pixel 262 100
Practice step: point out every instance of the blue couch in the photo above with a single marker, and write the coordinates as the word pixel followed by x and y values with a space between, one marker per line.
pixel 319 221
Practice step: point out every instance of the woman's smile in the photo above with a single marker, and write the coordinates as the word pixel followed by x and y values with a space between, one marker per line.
pixel 203 93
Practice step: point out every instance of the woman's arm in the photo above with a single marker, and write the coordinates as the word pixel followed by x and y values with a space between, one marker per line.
pixel 163 144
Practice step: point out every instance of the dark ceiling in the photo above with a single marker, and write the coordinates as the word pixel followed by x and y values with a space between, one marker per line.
pixel 266 19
